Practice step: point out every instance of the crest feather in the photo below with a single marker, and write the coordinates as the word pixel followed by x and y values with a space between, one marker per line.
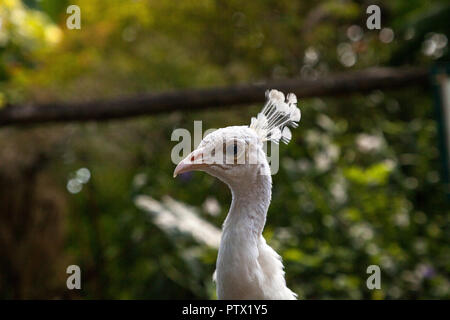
pixel 279 113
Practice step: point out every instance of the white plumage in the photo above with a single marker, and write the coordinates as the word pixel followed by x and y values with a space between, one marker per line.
pixel 247 268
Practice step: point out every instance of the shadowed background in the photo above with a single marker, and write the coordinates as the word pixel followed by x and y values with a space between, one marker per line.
pixel 359 184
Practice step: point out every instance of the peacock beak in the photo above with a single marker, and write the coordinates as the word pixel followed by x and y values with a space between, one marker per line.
pixel 194 161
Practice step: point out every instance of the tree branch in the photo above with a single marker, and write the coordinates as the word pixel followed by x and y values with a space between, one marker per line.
pixel 191 99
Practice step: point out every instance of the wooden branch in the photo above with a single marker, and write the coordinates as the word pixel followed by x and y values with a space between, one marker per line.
pixel 191 99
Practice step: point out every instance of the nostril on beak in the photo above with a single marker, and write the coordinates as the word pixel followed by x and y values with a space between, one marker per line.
pixel 197 157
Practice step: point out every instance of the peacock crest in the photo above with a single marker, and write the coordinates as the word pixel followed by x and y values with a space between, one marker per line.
pixel 279 113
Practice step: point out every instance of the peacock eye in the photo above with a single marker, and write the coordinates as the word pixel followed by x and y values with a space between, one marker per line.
pixel 234 150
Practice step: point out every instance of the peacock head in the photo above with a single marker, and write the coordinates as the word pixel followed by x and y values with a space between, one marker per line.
pixel 235 153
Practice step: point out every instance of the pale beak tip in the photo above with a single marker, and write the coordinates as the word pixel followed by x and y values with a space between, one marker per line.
pixel 188 164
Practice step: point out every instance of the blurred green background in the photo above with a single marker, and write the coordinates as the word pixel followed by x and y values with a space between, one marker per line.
pixel 359 184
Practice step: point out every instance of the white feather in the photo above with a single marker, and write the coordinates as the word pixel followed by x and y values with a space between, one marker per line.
pixel 275 135
pixel 291 98
pixel 286 135
pixel 278 113
pixel 296 115
pixel 275 95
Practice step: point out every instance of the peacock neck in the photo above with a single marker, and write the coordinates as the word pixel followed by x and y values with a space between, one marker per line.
pixel 249 206
pixel 241 239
